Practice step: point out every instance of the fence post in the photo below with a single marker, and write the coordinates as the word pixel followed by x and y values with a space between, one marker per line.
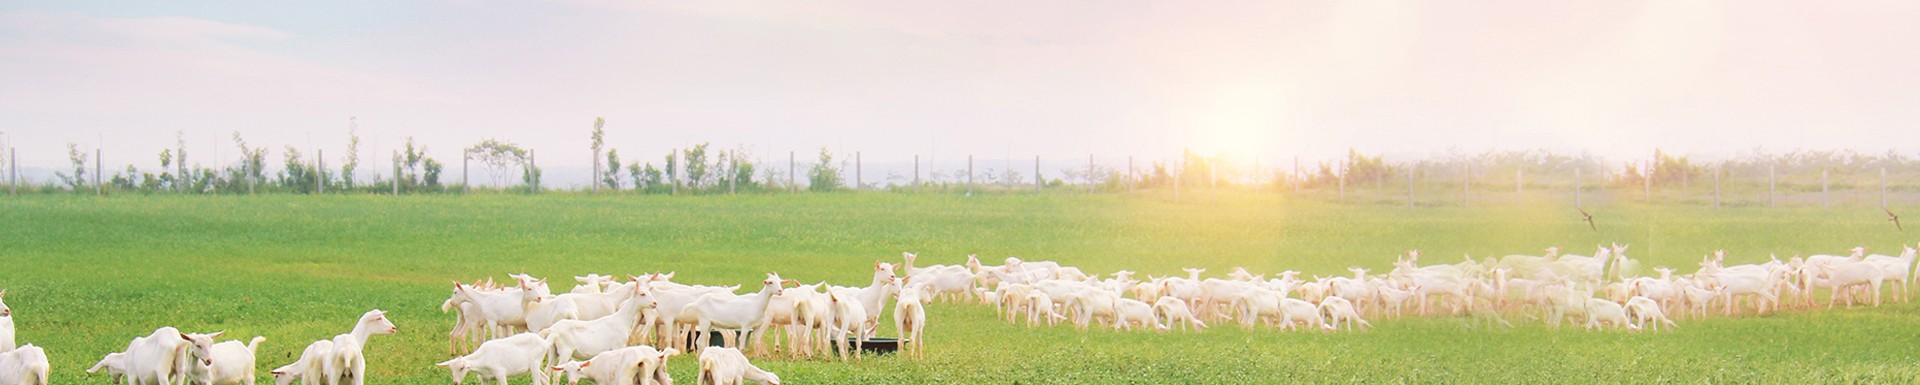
pixel 396 174
pixel 1130 175
pixel 1176 176
pixel 1576 187
pixel 1037 181
pixel 1089 173
pixel 916 173
pixel 1883 187
pixel 533 186
pixel 1770 185
pixel 98 189
pixel 858 174
pixel 13 170
pixel 793 184
pixel 1213 179
pixel 465 158
pixel 733 173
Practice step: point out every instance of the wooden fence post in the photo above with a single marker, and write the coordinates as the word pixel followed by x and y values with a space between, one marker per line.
pixel 1037 181
pixel 859 175
pixel 1410 170
pixel 98 188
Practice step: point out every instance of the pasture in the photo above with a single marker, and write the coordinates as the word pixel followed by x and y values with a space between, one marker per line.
pixel 85 274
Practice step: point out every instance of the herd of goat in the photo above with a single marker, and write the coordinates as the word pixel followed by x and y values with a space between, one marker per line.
pixel 613 332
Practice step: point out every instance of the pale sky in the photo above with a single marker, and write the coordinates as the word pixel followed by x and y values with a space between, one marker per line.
pixel 1057 79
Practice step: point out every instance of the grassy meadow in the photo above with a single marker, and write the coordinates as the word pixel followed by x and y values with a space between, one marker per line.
pixel 86 274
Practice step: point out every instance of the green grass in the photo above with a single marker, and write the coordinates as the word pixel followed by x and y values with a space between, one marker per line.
pixel 84 275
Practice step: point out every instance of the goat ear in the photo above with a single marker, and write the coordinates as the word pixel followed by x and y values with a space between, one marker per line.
pixel 584 365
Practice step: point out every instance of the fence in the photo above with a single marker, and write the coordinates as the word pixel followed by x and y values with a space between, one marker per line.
pixel 1437 182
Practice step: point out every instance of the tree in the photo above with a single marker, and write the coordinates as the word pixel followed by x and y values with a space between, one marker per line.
pixel 824 176
pixel 612 175
pixel 166 167
pixel 353 153
pixel 180 159
pixel 78 179
pixel 599 141
pixel 696 161
pixel 500 158
pixel 296 175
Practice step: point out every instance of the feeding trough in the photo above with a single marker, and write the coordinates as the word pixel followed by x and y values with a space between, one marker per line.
pixel 877 345
pixel 718 339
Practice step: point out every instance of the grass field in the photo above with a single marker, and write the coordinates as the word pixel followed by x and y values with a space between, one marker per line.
pixel 84 275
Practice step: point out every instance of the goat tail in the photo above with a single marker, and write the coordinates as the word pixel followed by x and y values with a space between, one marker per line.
pixel 254 345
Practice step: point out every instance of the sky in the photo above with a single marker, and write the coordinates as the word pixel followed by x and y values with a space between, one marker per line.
pixel 999 79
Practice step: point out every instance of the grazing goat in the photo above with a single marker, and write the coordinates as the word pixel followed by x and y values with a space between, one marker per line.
pixel 310 369
pixel 114 363
pixel 1601 312
pixel 726 366
pixel 1339 310
pixel 159 358
pixel 630 365
pixel 349 361
pixel 524 353
pixel 1170 310
pixel 26 365
pixel 1646 311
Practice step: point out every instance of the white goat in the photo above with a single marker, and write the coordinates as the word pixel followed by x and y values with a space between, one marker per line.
pixel 630 365
pixel 114 363
pixel 524 353
pixel 6 324
pixel 1129 312
pixel 1170 310
pixel 310 369
pixel 1339 310
pixel 221 363
pixel 1601 312
pixel 1647 311
pixel 573 339
pixel 157 359
pixel 349 360
pixel 848 318
pixel 910 318
pixel 726 366
pixel 26 365
pixel 742 313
